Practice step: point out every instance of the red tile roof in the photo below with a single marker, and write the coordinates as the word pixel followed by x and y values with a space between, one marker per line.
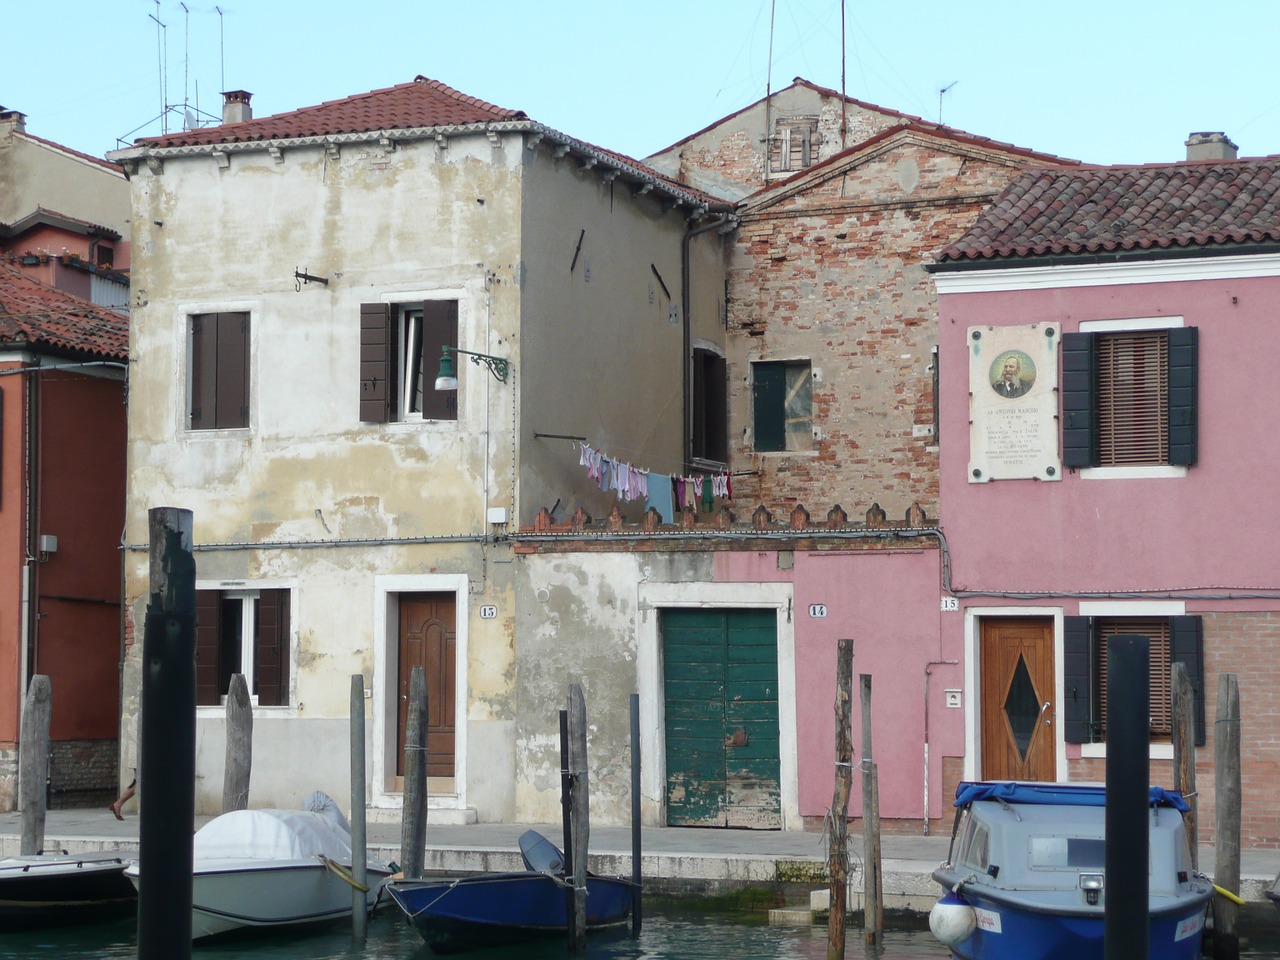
pixel 422 103
pixel 34 314
pixel 1084 210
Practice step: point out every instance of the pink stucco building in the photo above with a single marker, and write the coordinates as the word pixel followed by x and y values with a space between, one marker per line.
pixel 1106 361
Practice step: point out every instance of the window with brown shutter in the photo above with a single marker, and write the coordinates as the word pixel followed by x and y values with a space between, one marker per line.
pixel 794 145
pixel 245 632
pixel 400 350
pixel 219 376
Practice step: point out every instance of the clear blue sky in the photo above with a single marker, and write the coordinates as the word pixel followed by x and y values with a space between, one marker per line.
pixel 1121 81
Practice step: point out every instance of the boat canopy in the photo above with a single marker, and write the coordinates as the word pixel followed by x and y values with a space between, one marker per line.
pixel 1061 794
pixel 272 835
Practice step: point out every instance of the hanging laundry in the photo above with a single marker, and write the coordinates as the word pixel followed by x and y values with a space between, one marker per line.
pixel 659 496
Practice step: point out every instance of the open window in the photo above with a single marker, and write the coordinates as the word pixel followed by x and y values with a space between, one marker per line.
pixel 246 632
pixel 782 397
pixel 400 349
pixel 710 433
pixel 1129 397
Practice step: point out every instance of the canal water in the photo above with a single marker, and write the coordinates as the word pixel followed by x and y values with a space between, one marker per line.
pixel 670 934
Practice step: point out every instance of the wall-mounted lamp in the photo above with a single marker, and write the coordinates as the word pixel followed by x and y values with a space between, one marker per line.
pixel 447 379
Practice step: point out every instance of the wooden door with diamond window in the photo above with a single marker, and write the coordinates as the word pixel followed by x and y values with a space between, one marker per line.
pixel 1018 713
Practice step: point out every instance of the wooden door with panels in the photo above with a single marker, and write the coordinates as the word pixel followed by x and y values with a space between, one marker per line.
pixel 428 638
pixel 1018 715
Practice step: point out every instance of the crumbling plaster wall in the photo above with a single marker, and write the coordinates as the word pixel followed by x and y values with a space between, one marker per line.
pixel 382 226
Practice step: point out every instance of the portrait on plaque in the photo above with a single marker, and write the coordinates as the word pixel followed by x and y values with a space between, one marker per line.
pixel 1013 402
pixel 1012 374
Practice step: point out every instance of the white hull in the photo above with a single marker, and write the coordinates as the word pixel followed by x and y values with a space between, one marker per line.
pixel 232 895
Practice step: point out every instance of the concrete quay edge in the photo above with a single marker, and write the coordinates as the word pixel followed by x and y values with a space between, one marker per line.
pixel 676 858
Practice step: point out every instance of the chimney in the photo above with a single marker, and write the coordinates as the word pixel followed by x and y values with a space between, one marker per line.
pixel 235 106
pixel 1210 146
pixel 14 119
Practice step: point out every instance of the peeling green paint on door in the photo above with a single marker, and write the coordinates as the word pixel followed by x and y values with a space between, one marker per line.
pixel 721 695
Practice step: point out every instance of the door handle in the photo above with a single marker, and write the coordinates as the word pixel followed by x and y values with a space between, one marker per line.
pixel 1048 721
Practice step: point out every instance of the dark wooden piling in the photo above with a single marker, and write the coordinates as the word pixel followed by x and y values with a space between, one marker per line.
pixel 636 877
pixel 239 758
pixel 566 812
pixel 838 843
pixel 1226 805
pixel 167 764
pixel 1184 752
pixel 413 827
pixel 581 810
pixel 1125 927
pixel 33 762
pixel 359 840
pixel 872 888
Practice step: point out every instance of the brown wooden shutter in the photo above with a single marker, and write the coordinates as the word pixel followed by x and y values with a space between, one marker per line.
pixel 233 370
pixel 271 649
pixel 1156 630
pixel 204 370
pixel 439 329
pixel 377 363
pixel 1133 398
pixel 208 647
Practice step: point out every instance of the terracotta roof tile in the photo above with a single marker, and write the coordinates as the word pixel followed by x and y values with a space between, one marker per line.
pixel 38 315
pixel 422 103
pixel 1084 210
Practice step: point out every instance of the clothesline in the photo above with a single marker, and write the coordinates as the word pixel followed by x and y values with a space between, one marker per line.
pixel 666 493
pixel 579 441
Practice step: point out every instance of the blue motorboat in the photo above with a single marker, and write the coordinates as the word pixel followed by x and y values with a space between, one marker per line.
pixel 491 909
pixel 1025 876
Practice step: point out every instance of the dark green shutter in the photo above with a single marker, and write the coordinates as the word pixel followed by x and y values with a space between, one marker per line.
pixel 1186 637
pixel 1077 680
pixel 377 363
pixel 1079 401
pixel 769 389
pixel 1183 381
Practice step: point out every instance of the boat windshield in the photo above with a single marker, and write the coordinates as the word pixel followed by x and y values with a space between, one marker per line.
pixel 1062 853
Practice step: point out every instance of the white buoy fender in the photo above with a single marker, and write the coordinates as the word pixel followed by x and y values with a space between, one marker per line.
pixel 952 920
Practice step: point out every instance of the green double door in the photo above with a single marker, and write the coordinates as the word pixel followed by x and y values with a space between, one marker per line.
pixel 720 675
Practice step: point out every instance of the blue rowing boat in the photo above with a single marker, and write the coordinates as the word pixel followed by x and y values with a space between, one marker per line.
pixel 491 909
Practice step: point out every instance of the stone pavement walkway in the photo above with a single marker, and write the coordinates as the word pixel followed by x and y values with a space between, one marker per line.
pixel 699 857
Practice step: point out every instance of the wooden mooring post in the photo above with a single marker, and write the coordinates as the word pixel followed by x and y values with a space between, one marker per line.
pixel 566 814
pixel 580 811
pixel 838 844
pixel 413 827
pixel 359 839
pixel 1226 806
pixel 636 863
pixel 167 757
pixel 1184 752
pixel 239 758
pixel 33 762
pixel 1126 930
pixel 872 888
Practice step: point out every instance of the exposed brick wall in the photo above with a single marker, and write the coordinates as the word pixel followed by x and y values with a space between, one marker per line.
pixel 82 771
pixel 834 272
pixel 1244 644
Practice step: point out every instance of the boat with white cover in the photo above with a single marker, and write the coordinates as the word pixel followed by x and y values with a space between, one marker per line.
pixel 256 870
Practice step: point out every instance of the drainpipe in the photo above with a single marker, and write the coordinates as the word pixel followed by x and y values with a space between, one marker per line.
pixel 686 339
pixel 928 670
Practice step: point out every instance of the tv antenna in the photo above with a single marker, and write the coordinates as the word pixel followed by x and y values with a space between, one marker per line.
pixel 162 65
pixel 942 91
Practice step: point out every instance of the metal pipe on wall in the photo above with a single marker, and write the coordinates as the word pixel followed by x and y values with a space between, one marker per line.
pixel 928 671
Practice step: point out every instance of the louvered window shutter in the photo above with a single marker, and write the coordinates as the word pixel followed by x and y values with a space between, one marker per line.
pixel 208 647
pixel 1133 398
pixel 1077 681
pixel 271 648
pixel 1079 401
pixel 1183 389
pixel 439 330
pixel 377 363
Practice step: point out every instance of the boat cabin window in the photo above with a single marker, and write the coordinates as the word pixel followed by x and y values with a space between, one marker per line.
pixel 975 846
pixel 1055 853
